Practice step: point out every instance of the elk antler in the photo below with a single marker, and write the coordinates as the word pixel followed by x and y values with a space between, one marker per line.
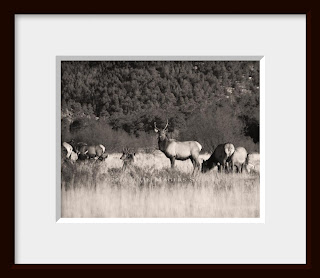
pixel 166 125
pixel 155 127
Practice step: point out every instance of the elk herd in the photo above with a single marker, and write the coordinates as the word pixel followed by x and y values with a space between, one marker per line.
pixel 225 157
pixel 83 151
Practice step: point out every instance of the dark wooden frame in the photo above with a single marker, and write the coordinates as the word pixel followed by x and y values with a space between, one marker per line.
pixel 9 110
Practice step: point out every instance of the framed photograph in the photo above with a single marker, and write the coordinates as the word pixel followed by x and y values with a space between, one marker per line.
pixel 161 140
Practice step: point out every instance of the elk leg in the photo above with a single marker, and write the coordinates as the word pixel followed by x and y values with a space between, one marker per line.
pixel 224 167
pixel 172 159
pixel 197 163
pixel 235 168
pixel 193 163
pixel 221 167
pixel 192 160
pixel 229 167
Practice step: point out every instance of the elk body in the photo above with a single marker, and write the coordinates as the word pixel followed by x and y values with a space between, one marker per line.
pixel 127 157
pixel 253 162
pixel 73 144
pixel 79 145
pixel 238 159
pixel 73 157
pixel 175 150
pixel 96 152
pixel 82 151
pixel 68 148
pixel 218 158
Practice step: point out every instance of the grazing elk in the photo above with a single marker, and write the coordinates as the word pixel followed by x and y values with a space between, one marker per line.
pixel 96 152
pixel 83 152
pixel 238 159
pixel 218 158
pixel 175 150
pixel 103 156
pixel 76 146
pixel 73 157
pixel 83 156
pixel 253 162
pixel 68 148
pixel 127 157
pixel 79 145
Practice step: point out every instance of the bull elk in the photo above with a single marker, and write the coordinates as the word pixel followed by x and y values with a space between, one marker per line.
pixel 175 150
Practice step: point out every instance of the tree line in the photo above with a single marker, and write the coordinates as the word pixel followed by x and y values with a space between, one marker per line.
pixel 117 102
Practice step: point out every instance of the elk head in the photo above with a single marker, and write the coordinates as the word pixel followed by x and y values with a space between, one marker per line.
pixel 204 166
pixel 163 132
pixel 127 154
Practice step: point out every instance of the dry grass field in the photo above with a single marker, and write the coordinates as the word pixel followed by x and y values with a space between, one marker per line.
pixel 151 188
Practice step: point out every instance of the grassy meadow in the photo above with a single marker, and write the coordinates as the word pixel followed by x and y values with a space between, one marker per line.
pixel 151 188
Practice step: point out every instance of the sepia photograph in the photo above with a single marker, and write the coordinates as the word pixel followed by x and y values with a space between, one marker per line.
pixel 160 139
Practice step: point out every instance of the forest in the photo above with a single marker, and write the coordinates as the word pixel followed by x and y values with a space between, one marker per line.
pixel 115 103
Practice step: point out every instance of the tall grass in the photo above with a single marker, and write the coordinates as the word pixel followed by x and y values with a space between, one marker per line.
pixel 151 189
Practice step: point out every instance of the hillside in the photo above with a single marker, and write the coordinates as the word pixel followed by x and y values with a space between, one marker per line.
pixel 211 102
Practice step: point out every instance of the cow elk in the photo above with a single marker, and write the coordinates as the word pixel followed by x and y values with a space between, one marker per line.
pixel 253 162
pixel 92 152
pixel 128 158
pixel 73 157
pixel 68 148
pixel 79 145
pixel 219 158
pixel 238 159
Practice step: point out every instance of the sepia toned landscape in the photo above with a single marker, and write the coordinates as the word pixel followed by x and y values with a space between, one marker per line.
pixel 159 139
